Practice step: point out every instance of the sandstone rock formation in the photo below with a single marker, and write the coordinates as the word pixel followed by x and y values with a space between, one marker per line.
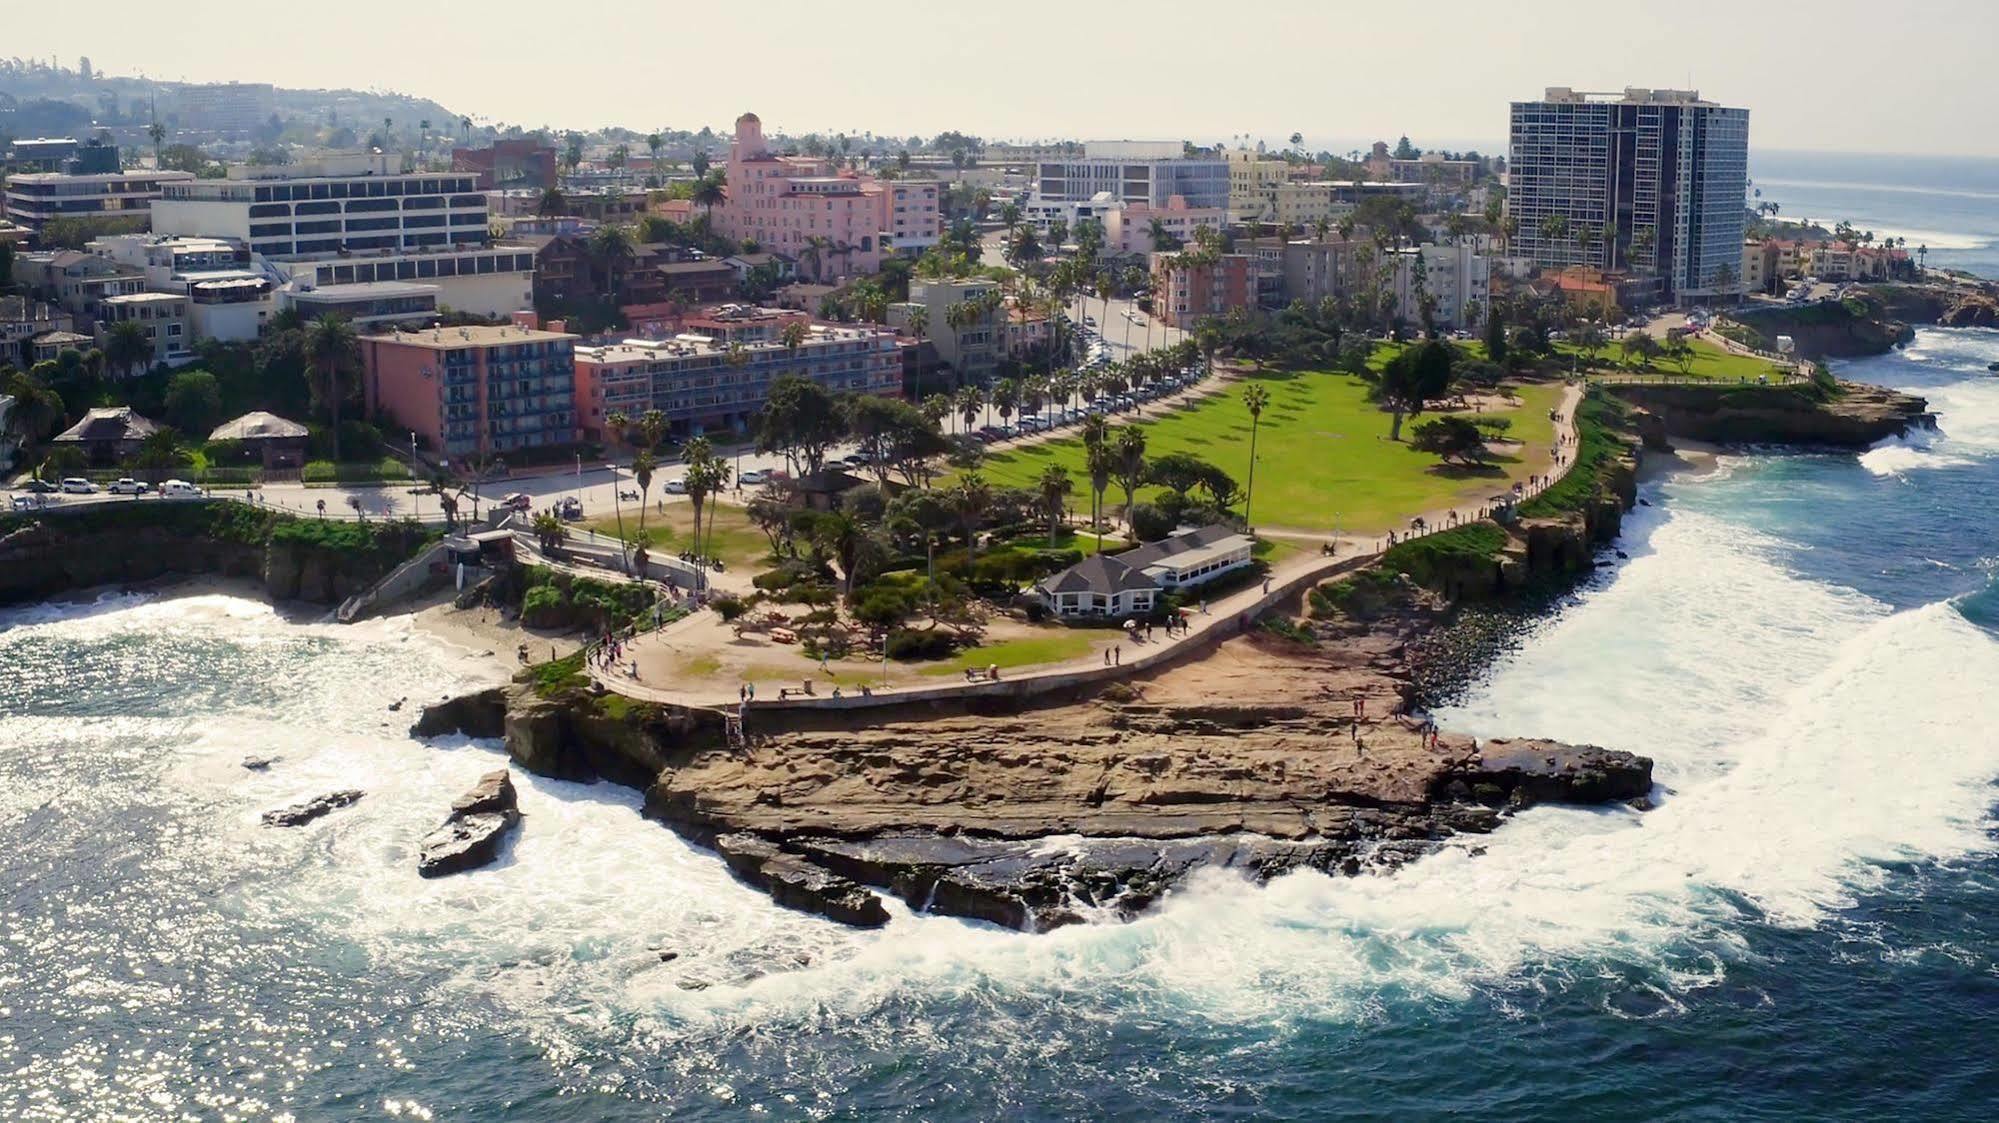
pixel 471 835
pixel 299 814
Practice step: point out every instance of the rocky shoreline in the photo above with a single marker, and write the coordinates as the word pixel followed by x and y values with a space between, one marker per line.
pixel 1089 808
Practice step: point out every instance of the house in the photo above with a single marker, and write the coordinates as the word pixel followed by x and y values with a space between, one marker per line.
pixel 279 442
pixel 824 490
pixel 1130 583
pixel 108 434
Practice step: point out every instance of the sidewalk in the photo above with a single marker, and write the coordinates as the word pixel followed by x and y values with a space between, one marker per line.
pixel 1211 624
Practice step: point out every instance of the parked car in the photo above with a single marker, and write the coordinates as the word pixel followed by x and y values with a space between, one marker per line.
pixel 77 485
pixel 518 501
pixel 27 502
pixel 38 487
pixel 179 489
pixel 676 486
pixel 126 485
pixel 755 477
pixel 571 509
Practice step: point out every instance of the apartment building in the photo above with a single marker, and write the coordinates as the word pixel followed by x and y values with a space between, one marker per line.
pixel 973 348
pixel 1135 228
pixel 847 221
pixel 1647 180
pixel 1455 277
pixel 231 107
pixel 1429 168
pixel 475 390
pixel 37 197
pixel 717 374
pixel 1183 293
pixel 347 202
pixel 164 317
pixel 523 164
pixel 76 281
pixel 1149 172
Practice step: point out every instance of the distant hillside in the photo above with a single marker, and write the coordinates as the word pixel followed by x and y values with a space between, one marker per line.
pixel 40 98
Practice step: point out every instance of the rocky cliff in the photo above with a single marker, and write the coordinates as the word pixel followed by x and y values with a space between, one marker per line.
pixel 1044 816
pixel 1855 416
pixel 52 553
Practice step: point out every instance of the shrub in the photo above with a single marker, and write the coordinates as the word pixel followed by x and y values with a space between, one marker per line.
pixel 544 606
pixel 1285 628
pixel 1152 522
pixel 883 607
pixel 909 644
pixel 729 608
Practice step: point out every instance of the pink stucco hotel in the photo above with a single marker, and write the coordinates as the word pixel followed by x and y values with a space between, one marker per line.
pixel 784 202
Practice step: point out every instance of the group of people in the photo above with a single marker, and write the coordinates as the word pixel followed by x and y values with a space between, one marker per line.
pixel 609 653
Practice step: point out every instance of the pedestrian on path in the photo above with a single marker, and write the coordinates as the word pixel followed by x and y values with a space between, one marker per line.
pixel 1117 655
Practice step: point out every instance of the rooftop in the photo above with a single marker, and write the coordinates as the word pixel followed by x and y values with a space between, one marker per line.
pixel 144 298
pixel 482 335
pixel 258 426
pixel 365 290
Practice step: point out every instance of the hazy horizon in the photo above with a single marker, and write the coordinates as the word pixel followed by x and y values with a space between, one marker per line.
pixel 1040 70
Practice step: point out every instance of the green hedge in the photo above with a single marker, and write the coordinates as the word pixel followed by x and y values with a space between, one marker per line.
pixel 387 469
pixel 1596 445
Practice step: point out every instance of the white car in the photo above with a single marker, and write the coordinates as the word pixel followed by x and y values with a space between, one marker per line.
pixel 676 486
pixel 129 486
pixel 179 489
pixel 755 477
pixel 77 485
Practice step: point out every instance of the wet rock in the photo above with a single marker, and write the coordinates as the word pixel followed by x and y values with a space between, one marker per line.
pixel 796 883
pixel 479 714
pixel 472 834
pixel 299 814
pixel 1523 773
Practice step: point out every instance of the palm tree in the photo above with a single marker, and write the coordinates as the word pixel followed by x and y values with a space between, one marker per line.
pixel 1054 487
pixel 813 256
pixel 37 409
pixel 652 427
pixel 160 452
pixel 1010 218
pixel 1006 398
pixel 654 142
pixel 1130 465
pixel 332 349
pixel 970 401
pixel 611 249
pixel 549 531
pixel 706 474
pixel 1254 398
pixel 969 501
pixel 793 336
pixel 919 321
pixel 551 203
pixel 1101 461
pixel 127 347
pixel 708 194
pixel 617 422
pixel 158 133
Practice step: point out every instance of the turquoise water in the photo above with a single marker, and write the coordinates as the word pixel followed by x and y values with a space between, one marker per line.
pixel 1806 926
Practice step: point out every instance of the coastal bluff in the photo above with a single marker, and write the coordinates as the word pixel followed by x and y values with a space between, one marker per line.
pixel 51 553
pixel 1036 816
pixel 1856 415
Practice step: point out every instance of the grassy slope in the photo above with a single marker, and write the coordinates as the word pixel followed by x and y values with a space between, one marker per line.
pixel 735 539
pixel 1323 454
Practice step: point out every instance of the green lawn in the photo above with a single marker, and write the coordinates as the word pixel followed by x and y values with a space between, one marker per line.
pixel 1323 454
pixel 734 538
pixel 1712 362
pixel 1054 647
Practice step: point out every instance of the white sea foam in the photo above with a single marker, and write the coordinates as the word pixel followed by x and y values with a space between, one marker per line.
pixel 1802 732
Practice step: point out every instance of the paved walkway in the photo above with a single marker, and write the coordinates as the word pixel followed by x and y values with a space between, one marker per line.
pixel 1206 625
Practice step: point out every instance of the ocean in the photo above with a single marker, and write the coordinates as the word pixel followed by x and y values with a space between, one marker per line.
pixel 1948 203
pixel 1806 927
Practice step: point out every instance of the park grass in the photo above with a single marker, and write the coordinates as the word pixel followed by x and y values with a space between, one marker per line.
pixel 1027 651
pixel 1711 363
pixel 734 538
pixel 1324 459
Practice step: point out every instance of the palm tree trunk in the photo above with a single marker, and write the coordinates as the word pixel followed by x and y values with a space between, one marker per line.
pixel 333 407
pixel 1249 490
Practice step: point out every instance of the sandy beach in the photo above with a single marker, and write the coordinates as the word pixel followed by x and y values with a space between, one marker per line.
pixel 1686 456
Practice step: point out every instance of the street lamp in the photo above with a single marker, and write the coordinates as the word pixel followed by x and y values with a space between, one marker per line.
pixel 416 493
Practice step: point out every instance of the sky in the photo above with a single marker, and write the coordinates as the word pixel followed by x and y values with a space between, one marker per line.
pixel 1906 76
